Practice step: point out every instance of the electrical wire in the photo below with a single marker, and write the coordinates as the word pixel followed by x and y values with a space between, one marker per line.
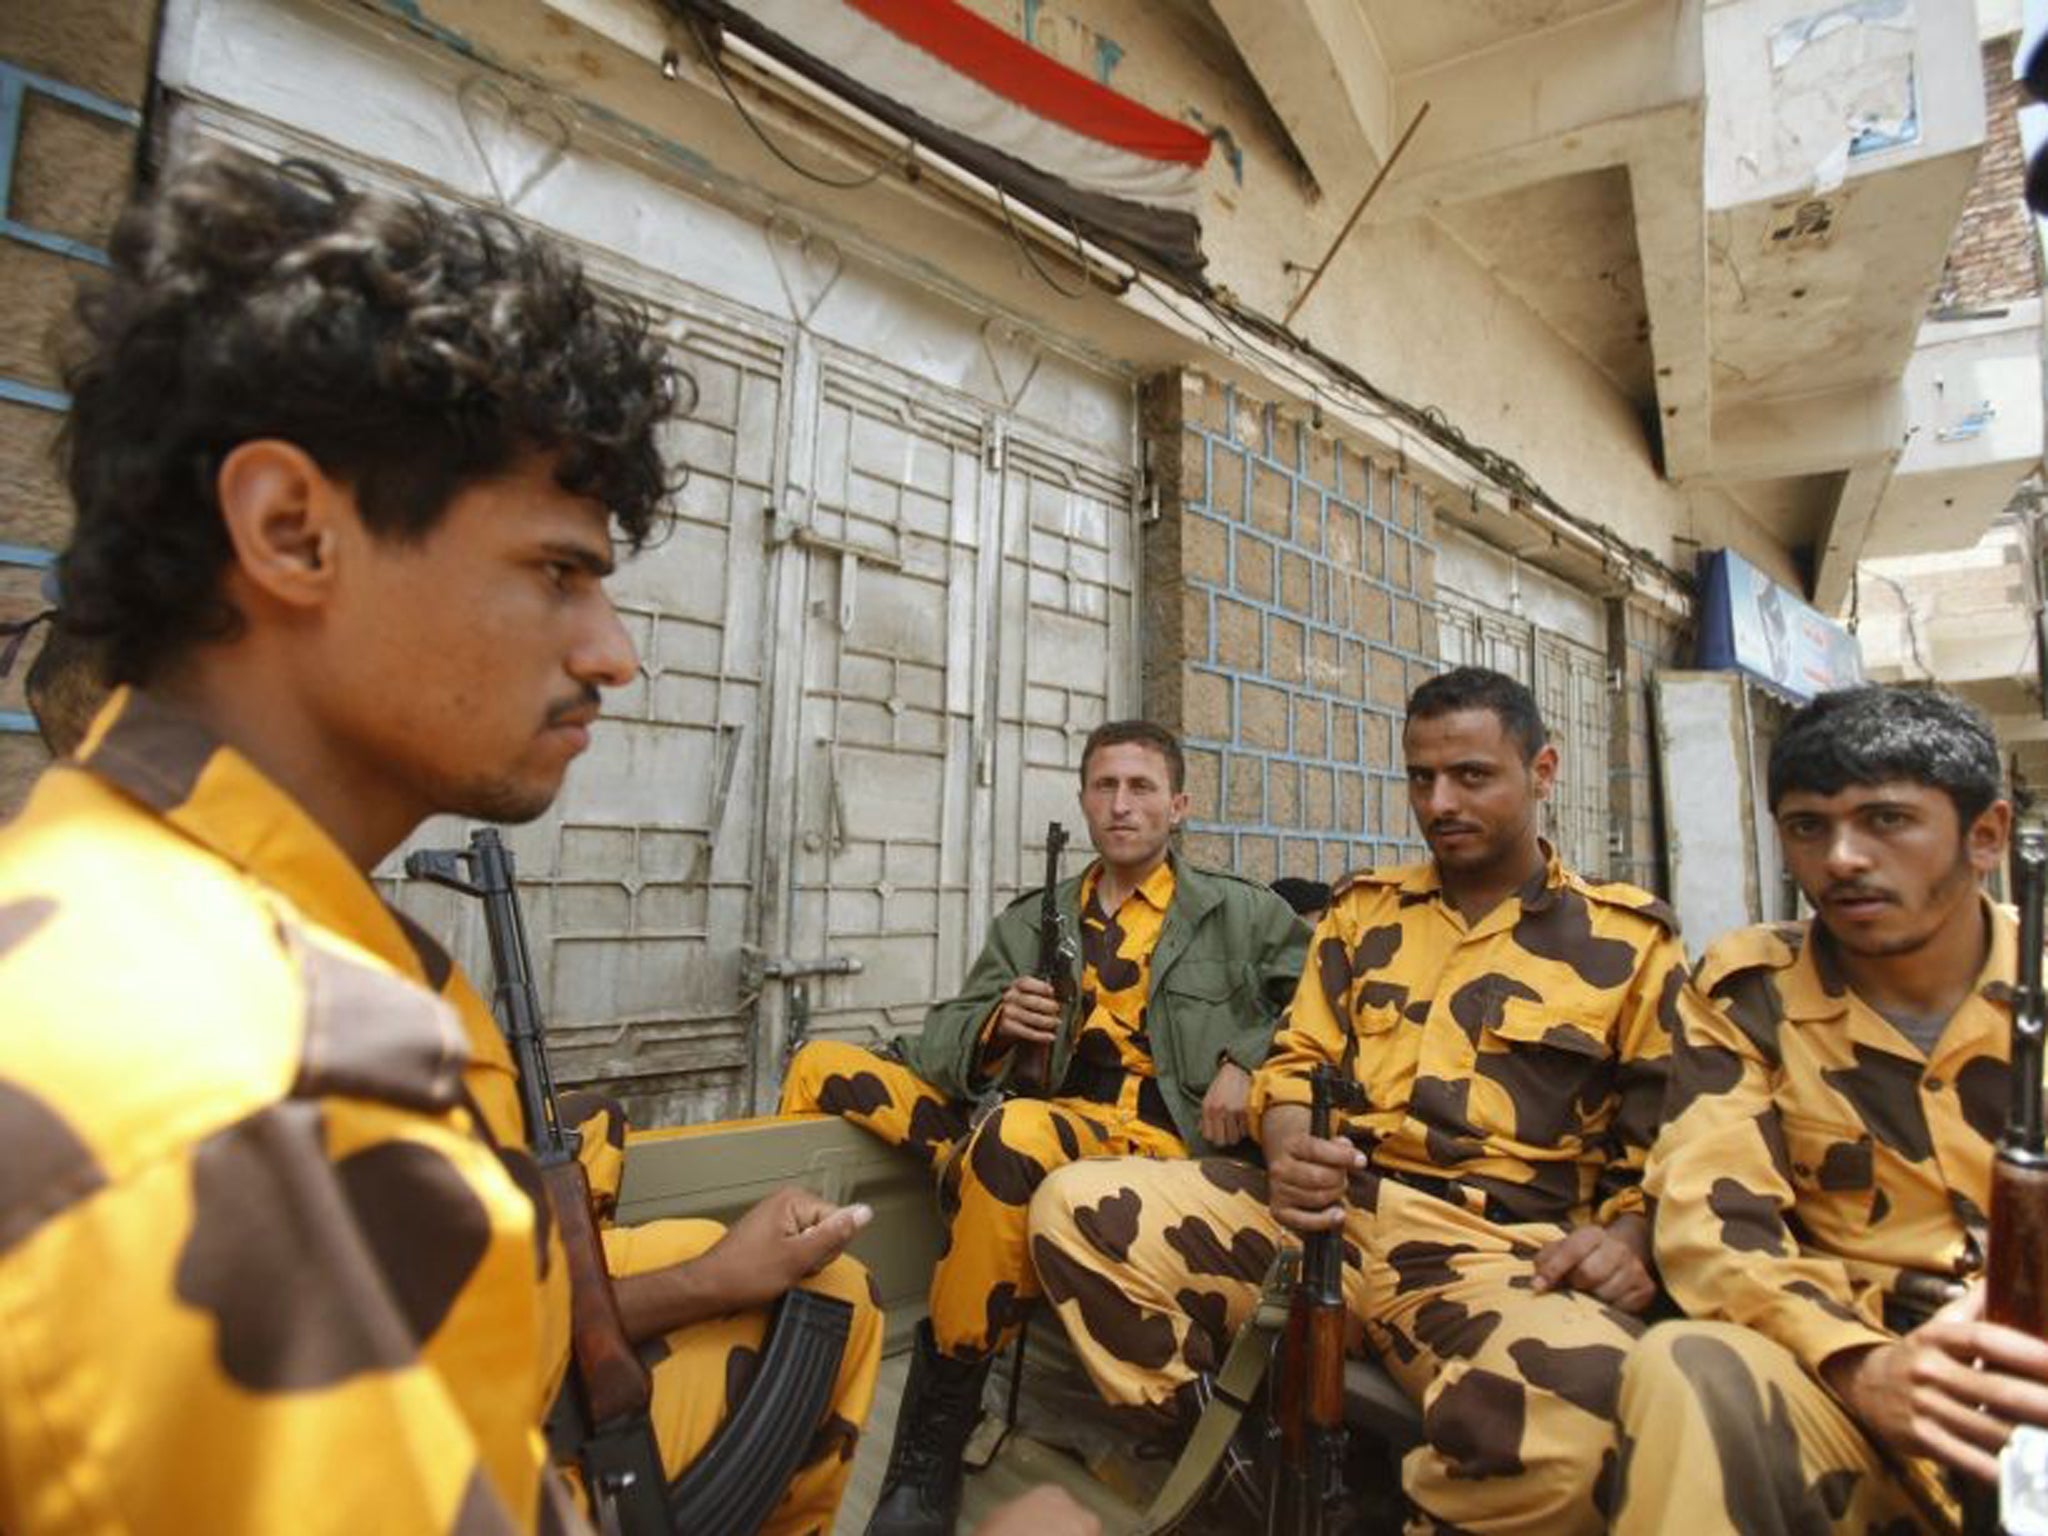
pixel 842 184
pixel 1024 246
pixel 1912 629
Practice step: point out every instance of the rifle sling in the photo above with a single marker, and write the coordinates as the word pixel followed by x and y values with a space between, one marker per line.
pixel 741 1475
pixel 1251 1352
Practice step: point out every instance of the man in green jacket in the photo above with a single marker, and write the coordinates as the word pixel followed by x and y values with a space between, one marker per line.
pixel 1180 977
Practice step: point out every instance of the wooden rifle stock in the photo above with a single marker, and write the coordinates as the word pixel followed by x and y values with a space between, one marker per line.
pixel 2016 1267
pixel 1031 1067
pixel 616 1385
pixel 2016 1280
pixel 1308 1401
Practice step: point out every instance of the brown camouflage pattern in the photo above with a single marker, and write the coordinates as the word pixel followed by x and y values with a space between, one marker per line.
pixel 1724 1433
pixel 279 1147
pixel 1153 1266
pixel 983 1285
pixel 1116 971
pixel 258 1269
pixel 1523 1055
pixel 1812 1150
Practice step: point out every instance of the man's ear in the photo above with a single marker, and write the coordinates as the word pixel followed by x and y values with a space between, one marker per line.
pixel 280 510
pixel 1986 838
pixel 1543 769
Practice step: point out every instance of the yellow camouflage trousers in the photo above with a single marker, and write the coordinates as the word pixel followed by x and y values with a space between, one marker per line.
pixel 1152 1267
pixel 1723 1430
pixel 701 1371
pixel 983 1285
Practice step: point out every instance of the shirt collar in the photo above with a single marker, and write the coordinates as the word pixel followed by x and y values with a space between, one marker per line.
pixel 164 757
pixel 1537 892
pixel 1156 889
pixel 1814 987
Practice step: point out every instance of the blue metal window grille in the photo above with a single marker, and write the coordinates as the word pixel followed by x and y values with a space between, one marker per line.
pixel 16 84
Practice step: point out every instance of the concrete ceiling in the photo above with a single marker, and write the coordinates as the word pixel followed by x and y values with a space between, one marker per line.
pixel 1567 249
pixel 1663 183
pixel 1419 33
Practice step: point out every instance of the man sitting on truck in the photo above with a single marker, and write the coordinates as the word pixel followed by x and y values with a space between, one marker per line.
pixel 1824 1172
pixel 1508 1021
pixel 272 1256
pixel 1180 976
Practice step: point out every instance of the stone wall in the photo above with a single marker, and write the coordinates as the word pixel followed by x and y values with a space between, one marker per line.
pixel 82 72
pixel 1290 610
pixel 1994 255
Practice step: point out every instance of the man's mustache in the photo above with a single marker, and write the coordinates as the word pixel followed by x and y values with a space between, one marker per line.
pixel 1849 890
pixel 579 710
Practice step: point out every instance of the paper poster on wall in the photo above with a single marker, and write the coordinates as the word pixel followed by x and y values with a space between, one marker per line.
pixel 1751 624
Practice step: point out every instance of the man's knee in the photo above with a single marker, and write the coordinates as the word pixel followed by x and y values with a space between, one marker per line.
pixel 818 1063
pixel 1704 1363
pixel 1068 1189
pixel 1016 1145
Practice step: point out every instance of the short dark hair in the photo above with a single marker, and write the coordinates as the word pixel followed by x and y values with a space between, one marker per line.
pixel 1878 735
pixel 1303 896
pixel 1464 688
pixel 410 350
pixel 1116 733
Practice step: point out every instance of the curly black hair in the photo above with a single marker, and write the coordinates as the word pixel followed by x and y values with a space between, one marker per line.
pixel 409 349
pixel 1876 735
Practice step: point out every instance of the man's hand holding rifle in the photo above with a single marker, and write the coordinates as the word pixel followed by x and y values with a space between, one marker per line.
pixel 1034 1007
pixel 1955 1388
pixel 787 1237
pixel 1308 1400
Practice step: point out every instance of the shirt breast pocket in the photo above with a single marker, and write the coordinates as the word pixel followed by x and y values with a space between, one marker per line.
pixel 1828 1157
pixel 1206 1000
pixel 1546 1072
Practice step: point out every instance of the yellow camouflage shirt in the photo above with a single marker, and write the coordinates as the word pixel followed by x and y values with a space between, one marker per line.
pixel 258 1270
pixel 1116 971
pixel 1522 1056
pixel 1812 1150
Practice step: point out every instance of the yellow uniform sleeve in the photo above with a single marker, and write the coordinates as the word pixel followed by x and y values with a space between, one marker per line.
pixel 1643 1043
pixel 1312 1030
pixel 229 1338
pixel 1722 1189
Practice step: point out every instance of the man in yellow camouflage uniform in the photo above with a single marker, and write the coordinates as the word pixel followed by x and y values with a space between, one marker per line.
pixel 1836 1094
pixel 1509 1022
pixel 1182 973
pixel 271 1255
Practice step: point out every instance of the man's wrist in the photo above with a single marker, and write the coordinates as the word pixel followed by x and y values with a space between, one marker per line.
pixel 1842 1373
pixel 1280 1125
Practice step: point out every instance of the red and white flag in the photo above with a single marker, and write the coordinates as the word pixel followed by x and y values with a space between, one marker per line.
pixel 1118 167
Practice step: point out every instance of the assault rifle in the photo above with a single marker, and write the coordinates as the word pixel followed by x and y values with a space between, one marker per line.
pixel 2016 1267
pixel 602 1416
pixel 1031 1070
pixel 1308 1399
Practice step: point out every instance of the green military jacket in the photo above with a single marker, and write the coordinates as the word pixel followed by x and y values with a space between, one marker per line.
pixel 1228 958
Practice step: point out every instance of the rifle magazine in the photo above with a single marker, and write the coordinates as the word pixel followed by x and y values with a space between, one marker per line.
pixel 742 1474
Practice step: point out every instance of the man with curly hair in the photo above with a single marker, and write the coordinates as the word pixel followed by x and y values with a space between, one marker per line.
pixel 346 470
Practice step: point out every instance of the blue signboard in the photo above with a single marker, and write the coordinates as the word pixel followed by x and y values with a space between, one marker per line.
pixel 1749 623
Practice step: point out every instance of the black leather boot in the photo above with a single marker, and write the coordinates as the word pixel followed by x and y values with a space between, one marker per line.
pixel 941 1404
